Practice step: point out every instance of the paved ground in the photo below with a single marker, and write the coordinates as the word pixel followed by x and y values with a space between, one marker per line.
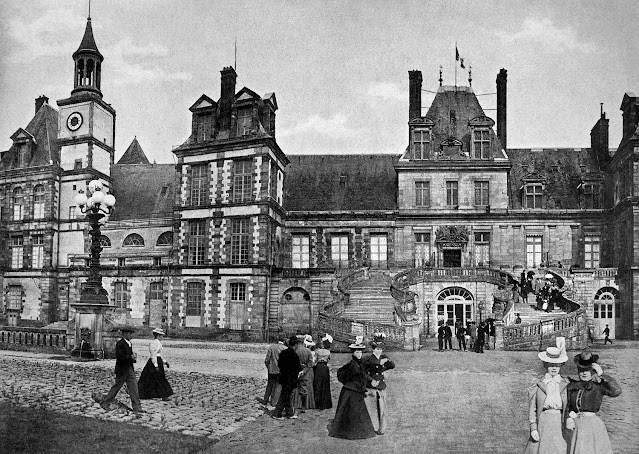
pixel 449 402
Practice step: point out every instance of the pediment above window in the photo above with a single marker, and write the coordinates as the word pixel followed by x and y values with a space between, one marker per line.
pixel 533 178
pixel 451 147
pixel 246 94
pixel 451 234
pixel 270 97
pixel 421 121
pixel 22 135
pixel 592 177
pixel 204 102
pixel 481 121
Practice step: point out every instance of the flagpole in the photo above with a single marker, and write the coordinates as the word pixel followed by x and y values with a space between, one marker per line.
pixel 456 64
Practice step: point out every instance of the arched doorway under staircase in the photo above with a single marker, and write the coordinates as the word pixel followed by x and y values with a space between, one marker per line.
pixel 454 304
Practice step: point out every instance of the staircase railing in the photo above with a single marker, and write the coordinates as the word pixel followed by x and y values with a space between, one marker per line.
pixel 341 297
pixel 571 326
pixel 345 329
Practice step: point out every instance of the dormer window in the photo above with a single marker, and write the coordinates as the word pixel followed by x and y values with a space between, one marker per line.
pixel 591 195
pixel 421 143
pixel 23 155
pixel 244 121
pixel 481 144
pixel 533 196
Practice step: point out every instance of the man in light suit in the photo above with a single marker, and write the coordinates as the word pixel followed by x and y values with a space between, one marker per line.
pixel 124 373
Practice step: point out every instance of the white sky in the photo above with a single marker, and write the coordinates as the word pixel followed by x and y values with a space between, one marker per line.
pixel 339 69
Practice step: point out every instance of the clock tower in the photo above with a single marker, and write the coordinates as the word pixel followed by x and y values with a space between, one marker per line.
pixel 86 136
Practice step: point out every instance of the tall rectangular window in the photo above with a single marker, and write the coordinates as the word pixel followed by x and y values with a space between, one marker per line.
pixel 481 144
pixel 533 250
pixel 533 196
pixel 592 198
pixel 422 250
pixel 17 252
pixel 38 251
pixel 240 241
pixel 379 250
pixel 199 185
pixel 242 181
pixel 422 193
pixel 72 213
pixel 482 248
pixel 18 204
pixel 452 193
pixel 339 250
pixel 197 242
pixel 14 300
pixel 421 143
pixel 194 298
pixel 591 251
pixel 482 192
pixel 238 305
pixel 244 121
pixel 301 251
pixel 121 295
pixel 38 202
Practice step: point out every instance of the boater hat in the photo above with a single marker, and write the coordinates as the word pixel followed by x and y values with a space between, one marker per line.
pixel 584 360
pixel 359 343
pixel 158 331
pixel 553 355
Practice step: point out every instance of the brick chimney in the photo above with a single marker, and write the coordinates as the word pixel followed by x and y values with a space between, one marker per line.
pixel 414 94
pixel 599 139
pixel 227 92
pixel 40 101
pixel 501 107
pixel 630 111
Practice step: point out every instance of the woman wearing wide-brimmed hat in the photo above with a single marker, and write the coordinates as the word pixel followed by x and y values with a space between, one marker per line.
pixel 589 434
pixel 547 403
pixel 153 382
pixel 351 416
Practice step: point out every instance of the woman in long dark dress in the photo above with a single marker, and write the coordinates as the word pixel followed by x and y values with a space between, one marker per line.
pixel 322 380
pixel 352 420
pixel 153 382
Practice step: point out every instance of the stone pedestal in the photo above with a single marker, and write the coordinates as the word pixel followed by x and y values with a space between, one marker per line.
pixel 89 329
pixel 411 339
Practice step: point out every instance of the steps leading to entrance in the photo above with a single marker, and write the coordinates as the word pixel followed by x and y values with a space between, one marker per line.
pixel 529 314
pixel 371 300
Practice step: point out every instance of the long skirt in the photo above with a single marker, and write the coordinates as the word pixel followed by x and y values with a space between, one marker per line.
pixel 322 387
pixel 153 382
pixel 304 388
pixel 551 438
pixel 351 417
pixel 590 436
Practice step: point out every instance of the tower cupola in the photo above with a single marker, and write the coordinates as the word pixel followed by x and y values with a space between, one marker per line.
pixel 88 65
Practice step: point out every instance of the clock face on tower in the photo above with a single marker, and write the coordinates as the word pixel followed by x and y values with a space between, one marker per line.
pixel 74 121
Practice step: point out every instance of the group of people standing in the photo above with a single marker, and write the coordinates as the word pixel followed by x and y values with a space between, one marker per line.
pixel 152 383
pixel 563 410
pixel 298 376
pixel 471 336
pixel 546 290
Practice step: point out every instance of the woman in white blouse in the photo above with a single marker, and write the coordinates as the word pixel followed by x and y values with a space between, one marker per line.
pixel 153 382
pixel 547 399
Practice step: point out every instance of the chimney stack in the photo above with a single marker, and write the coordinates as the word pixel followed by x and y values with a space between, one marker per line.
pixel 501 107
pixel 414 94
pixel 227 92
pixel 630 111
pixel 40 101
pixel 599 139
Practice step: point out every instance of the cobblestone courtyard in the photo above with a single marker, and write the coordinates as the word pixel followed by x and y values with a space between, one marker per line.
pixel 450 402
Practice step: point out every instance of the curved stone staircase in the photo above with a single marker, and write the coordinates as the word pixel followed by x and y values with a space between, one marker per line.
pixel 371 300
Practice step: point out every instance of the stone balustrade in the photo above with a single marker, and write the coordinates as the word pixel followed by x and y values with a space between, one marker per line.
pixel 40 340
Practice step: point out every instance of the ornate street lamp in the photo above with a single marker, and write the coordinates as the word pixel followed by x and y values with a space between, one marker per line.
pixel 481 305
pixel 94 299
pixel 428 306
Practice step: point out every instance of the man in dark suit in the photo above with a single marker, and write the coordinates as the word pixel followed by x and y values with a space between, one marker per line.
pixel 290 368
pixel 124 373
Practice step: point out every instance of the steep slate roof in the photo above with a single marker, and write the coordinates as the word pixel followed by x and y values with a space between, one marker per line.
pixel 88 42
pixel 561 169
pixel 44 128
pixel 341 183
pixel 134 154
pixel 464 102
pixel 143 191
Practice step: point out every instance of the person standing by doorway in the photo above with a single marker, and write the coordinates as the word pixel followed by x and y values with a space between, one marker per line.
pixel 441 331
pixel 460 333
pixel 606 332
pixel 448 337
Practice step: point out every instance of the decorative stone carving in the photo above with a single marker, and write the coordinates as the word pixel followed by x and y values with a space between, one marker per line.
pixel 451 234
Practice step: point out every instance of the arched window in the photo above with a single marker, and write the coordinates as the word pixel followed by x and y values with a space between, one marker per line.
pixel 18 204
pixel 134 240
pixel 105 241
pixel 166 239
pixel 38 202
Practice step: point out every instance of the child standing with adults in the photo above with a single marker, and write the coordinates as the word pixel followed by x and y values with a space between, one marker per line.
pixel 547 403
pixel 585 394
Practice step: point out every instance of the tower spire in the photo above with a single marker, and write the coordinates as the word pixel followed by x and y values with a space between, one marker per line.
pixel 88 64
